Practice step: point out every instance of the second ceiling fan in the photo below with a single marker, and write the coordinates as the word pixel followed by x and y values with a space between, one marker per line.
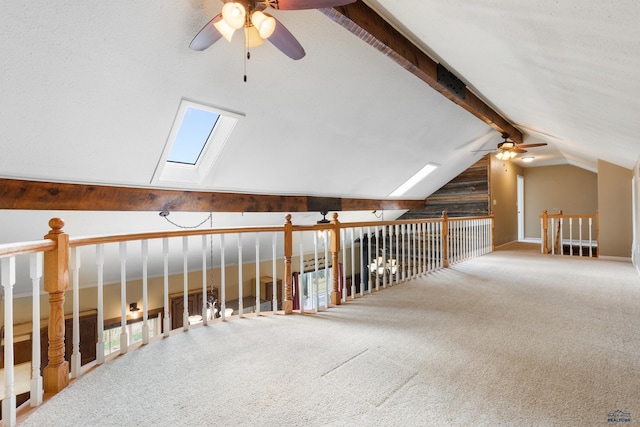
pixel 508 149
pixel 258 25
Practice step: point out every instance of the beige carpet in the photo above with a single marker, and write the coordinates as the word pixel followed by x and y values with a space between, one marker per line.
pixel 513 338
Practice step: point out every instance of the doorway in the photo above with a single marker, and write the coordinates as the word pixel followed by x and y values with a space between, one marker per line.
pixel 520 201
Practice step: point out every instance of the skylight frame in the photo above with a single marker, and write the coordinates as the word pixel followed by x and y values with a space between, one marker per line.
pixel 184 173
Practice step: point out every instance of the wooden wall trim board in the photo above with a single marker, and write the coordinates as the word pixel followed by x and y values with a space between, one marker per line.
pixel 40 195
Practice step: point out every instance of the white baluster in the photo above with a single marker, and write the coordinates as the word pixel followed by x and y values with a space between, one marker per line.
pixel 397 266
pixel 257 310
pixel 570 236
pixel 353 263
pixel 314 292
pixel 383 233
pixel 439 238
pixel 377 257
pixel 328 283
pixel 580 234
pixel 344 264
pixel 274 281
pixel 35 264
pixel 423 241
pixel 419 246
pixel 75 355
pixel 8 279
pixel 301 272
pixel 414 253
pixel 240 293
pixel 561 244
pixel 590 238
pixel 362 269
pixel 370 257
pixel 144 251
pixel 542 235
pixel 403 264
pixel 553 237
pixel 185 283
pixel 100 343
pixel 124 337
pixel 429 248
pixel 205 298
pixel 167 317
pixel 223 280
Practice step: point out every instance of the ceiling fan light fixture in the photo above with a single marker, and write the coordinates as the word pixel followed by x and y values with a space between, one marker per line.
pixel 252 37
pixel 264 23
pixel 234 14
pixel 225 29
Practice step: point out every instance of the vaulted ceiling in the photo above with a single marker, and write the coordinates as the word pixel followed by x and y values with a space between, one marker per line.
pixel 91 90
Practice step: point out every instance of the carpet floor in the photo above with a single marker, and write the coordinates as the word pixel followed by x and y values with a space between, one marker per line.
pixel 513 338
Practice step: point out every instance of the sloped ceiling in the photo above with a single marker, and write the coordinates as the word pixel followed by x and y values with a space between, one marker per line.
pixel 564 72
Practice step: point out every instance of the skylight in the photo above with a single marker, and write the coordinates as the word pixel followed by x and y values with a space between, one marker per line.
pixel 195 130
pixel 414 180
pixel 196 139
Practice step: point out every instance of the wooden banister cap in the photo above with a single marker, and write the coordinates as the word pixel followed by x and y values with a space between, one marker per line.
pixel 56 225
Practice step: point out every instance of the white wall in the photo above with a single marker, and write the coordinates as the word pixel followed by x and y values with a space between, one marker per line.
pixel 635 251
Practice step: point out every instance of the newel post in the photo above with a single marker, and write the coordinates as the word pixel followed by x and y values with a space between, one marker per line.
pixel 288 275
pixel 545 228
pixel 445 239
pixel 335 251
pixel 56 282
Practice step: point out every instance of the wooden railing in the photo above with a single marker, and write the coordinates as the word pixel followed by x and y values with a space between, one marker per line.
pixel 358 257
pixel 569 234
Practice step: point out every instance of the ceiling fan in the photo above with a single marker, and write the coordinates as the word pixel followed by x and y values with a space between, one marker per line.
pixel 508 149
pixel 258 25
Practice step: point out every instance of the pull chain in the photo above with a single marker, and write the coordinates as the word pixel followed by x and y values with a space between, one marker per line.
pixel 246 58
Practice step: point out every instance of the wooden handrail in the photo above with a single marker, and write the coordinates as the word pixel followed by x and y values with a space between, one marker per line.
pixel 570 216
pixel 13 249
pixel 115 238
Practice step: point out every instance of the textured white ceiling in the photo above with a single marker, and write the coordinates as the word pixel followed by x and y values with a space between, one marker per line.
pixel 565 72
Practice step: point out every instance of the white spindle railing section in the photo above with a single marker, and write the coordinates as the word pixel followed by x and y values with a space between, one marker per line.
pixel 373 255
pixel 32 382
pixel 469 238
pixel 569 234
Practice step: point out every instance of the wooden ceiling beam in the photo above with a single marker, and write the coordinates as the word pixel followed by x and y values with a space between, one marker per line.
pixel 372 28
pixel 38 195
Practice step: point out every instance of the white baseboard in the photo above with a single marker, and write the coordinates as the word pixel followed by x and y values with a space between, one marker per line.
pixel 615 258
pixel 531 240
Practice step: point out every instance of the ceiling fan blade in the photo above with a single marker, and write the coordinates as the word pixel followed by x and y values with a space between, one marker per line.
pixel 207 36
pixel 541 144
pixel 285 42
pixel 518 150
pixel 305 4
